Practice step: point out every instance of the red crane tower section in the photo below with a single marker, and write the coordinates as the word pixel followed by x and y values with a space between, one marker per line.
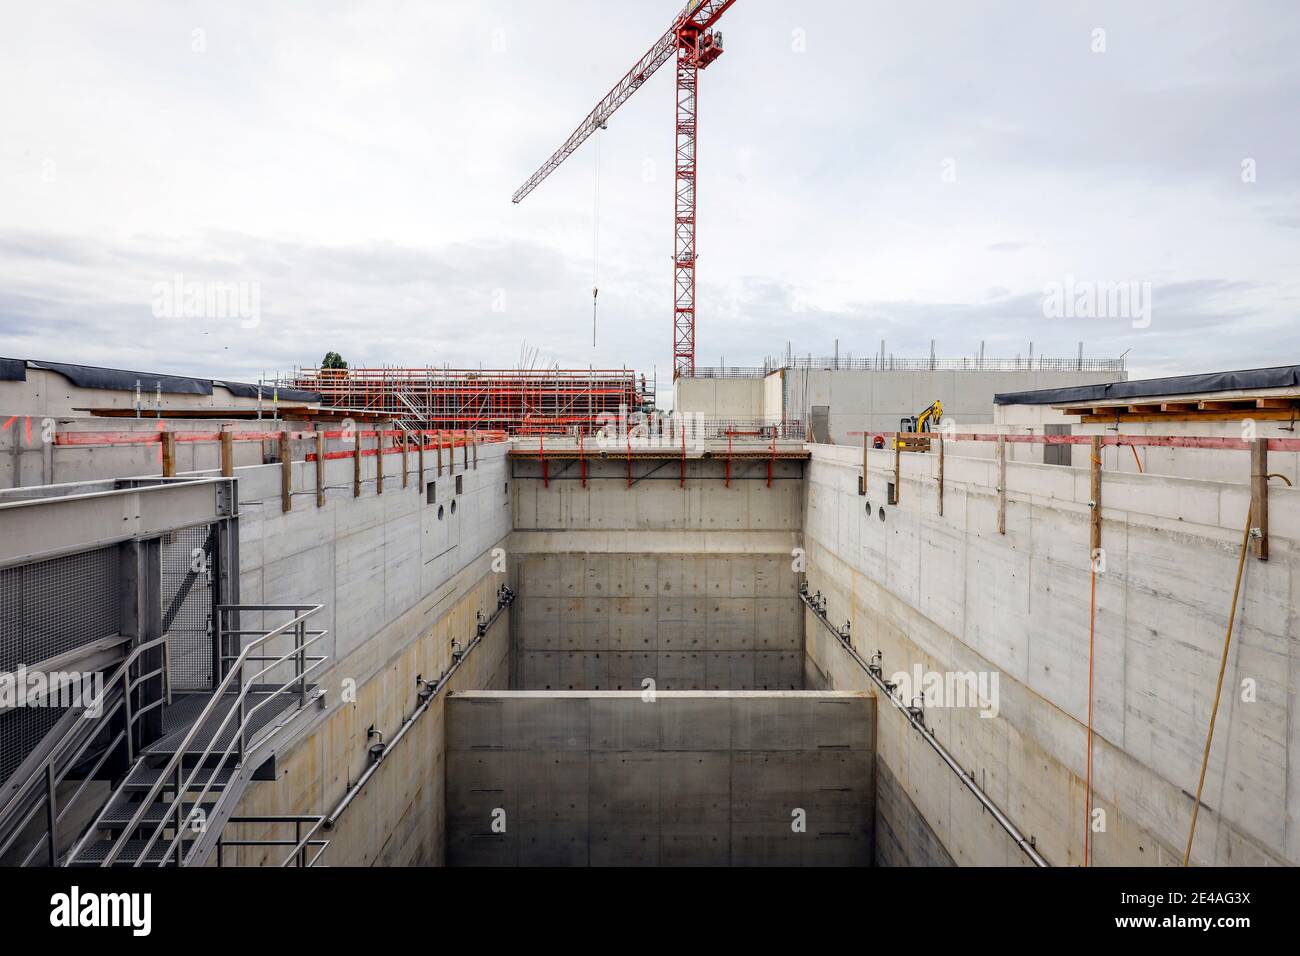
pixel 695 45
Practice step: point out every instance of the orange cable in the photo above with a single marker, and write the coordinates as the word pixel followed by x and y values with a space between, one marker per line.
pixel 1092 617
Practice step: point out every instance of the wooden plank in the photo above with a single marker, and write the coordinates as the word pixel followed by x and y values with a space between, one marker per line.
pixel 1275 403
pixel 1226 405
pixel 356 464
pixel 168 454
pixel 286 473
pixel 1259 497
pixel 898 485
pixel 320 469
pixel 941 476
pixel 1095 497
pixel 1002 484
pixel 419 485
pixel 1260 414
pixel 865 442
pixel 227 455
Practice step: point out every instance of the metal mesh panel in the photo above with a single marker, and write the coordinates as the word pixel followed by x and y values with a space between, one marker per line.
pixel 54 606
pixel 11 618
pixel 21 729
pixel 187 606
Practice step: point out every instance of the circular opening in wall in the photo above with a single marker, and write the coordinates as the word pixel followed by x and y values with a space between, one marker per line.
pixel 453 507
pixel 868 507
pixel 882 513
pixel 439 512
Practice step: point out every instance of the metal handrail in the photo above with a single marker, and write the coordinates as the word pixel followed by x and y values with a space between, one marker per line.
pixel 49 777
pixel 245 716
pixel 173 765
pixel 299 845
pixel 239 737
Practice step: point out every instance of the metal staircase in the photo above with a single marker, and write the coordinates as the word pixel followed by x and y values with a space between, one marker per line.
pixel 186 766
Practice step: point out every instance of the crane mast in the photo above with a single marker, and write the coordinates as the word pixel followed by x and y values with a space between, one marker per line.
pixel 695 46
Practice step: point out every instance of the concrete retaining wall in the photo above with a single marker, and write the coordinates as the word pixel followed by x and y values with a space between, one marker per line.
pixel 953 595
pixel 398 584
pixel 692 587
pixel 576 779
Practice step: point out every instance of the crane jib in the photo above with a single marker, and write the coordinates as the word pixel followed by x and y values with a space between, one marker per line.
pixel 695 47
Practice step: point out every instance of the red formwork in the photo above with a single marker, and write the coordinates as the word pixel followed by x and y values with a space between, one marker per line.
pixel 516 401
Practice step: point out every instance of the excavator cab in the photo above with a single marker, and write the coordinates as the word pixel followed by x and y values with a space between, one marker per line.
pixel 917 425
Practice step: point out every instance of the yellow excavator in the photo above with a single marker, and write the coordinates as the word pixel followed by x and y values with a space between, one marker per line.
pixel 918 424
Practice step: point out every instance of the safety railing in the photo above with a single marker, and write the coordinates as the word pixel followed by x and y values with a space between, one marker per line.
pixel 890 363
pixel 232 694
pixel 40 791
pixel 304 849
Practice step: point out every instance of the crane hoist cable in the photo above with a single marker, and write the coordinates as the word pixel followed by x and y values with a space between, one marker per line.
pixel 595 242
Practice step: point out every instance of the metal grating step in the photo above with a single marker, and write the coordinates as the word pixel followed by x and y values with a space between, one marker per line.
pixel 185 710
pixel 142 778
pixel 121 810
pixel 96 853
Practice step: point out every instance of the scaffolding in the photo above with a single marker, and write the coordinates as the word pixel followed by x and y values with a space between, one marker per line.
pixel 516 401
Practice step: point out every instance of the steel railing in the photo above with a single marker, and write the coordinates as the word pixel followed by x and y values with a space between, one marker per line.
pixel 236 684
pixel 41 789
pixel 889 363
pixel 300 847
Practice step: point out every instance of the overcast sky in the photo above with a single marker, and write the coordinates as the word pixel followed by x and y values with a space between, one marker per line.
pixel 904 171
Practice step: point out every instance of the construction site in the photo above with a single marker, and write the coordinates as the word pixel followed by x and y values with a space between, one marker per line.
pixel 1017 610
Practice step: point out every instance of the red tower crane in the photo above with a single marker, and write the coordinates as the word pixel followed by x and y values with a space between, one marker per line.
pixel 696 46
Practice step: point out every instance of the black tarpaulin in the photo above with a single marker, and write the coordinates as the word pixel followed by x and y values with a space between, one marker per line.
pixel 13 370
pixel 1281 376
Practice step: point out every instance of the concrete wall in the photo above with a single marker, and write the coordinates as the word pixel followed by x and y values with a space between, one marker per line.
pixel 606 621
pixel 47 393
pixel 740 398
pixel 600 779
pixel 692 587
pixel 1213 465
pixel 398 584
pixel 862 400
pixel 29 460
pixel 953 595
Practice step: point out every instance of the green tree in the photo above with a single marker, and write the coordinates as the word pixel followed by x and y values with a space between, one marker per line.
pixel 333 360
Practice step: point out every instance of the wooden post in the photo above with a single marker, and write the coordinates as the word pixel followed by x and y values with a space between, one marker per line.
pixel 356 464
pixel 476 453
pixel 227 454
pixel 168 454
pixel 1259 497
pixel 865 440
pixel 320 469
pixel 419 485
pixel 940 476
pixel 286 473
pixel 379 460
pixel 406 469
pixel 1002 484
pixel 898 471
pixel 1094 540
